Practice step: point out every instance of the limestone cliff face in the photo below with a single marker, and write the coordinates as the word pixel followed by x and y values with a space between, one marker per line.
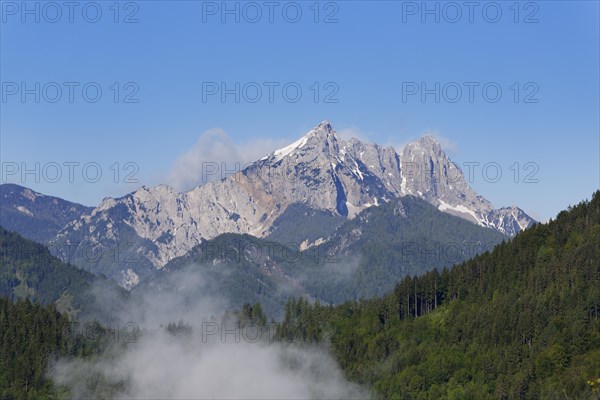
pixel 428 173
pixel 320 171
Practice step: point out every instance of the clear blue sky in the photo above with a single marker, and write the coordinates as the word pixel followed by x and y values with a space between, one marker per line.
pixel 372 55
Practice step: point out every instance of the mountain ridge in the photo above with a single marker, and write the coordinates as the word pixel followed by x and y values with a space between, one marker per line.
pixel 365 257
pixel 320 171
pixel 521 321
pixel 36 216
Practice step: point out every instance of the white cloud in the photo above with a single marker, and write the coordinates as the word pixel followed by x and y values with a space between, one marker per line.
pixel 216 146
pixel 208 363
pixel 165 367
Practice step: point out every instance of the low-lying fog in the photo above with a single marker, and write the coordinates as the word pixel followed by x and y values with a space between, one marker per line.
pixel 213 361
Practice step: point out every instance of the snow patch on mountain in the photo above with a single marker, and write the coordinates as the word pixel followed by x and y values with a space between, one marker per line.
pixel 25 211
pixel 281 153
pixel 460 209
pixel 320 171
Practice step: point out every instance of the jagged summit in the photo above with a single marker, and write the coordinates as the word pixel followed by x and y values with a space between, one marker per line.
pixel 323 127
pixel 322 133
pixel 428 138
pixel 318 171
pixel 426 143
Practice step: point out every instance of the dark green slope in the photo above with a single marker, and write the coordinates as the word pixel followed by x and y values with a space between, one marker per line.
pixel 28 270
pixel 237 268
pixel 299 223
pixel 369 255
pixel 31 336
pixel 365 257
pixel 520 322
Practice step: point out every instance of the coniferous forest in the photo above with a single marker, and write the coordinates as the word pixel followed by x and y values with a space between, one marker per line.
pixel 300 200
pixel 31 337
pixel 519 322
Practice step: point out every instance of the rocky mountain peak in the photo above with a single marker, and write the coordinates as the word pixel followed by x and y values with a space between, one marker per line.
pixel 318 171
pixel 429 140
pixel 322 131
pixel 319 141
pixel 323 137
pixel 426 147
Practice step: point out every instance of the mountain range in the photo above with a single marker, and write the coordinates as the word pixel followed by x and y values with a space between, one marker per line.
pixel 365 257
pixel 36 216
pixel 298 195
pixel 519 322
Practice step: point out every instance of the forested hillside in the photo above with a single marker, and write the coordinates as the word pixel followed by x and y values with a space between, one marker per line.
pixel 365 257
pixel 237 268
pixel 369 255
pixel 30 336
pixel 519 322
pixel 28 270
